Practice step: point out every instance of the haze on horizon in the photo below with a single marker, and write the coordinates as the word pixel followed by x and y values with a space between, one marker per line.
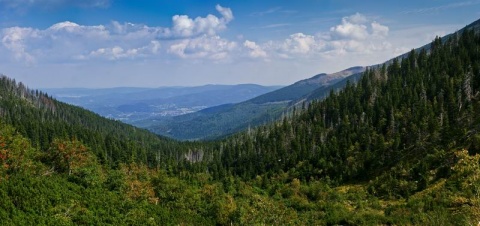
pixel 113 43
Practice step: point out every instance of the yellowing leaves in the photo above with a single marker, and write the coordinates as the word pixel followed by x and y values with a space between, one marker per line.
pixel 68 156
pixel 137 183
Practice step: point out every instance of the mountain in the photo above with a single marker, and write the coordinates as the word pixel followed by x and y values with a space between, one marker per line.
pixel 400 146
pixel 222 120
pixel 133 104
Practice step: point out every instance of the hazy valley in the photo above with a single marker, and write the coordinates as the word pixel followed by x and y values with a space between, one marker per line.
pixel 134 104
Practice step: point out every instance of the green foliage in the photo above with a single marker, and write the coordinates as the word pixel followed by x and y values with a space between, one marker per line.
pixel 16 153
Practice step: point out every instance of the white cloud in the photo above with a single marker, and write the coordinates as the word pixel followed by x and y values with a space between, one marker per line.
pixel 209 47
pixel 66 41
pixel 12 39
pixel 255 51
pixel 70 30
pixel 67 25
pixel 226 13
pixel 185 27
pixel 131 32
pixel 379 30
pixel 118 52
pixel 295 46
pixel 113 53
pixel 301 43
pixel 355 34
pixel 352 27
pixel 356 18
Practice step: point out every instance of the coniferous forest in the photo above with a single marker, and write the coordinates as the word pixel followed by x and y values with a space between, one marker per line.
pixel 400 147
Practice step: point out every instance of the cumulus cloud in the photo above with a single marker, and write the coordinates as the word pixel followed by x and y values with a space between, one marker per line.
pixel 379 30
pixel 226 13
pixel 300 43
pixel 12 39
pixel 118 52
pixel 356 18
pixel 352 27
pixel 255 51
pixel 64 41
pixel 131 31
pixel 67 29
pixel 184 26
pixel 210 47
pixel 355 34
pixel 59 41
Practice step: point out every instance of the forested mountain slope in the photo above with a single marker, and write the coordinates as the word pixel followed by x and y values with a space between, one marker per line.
pixel 397 132
pixel 224 120
pixel 424 103
pixel 302 88
pixel 400 147
pixel 43 119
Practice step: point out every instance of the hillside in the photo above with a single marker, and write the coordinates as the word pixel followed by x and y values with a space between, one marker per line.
pixel 43 119
pixel 224 120
pixel 407 133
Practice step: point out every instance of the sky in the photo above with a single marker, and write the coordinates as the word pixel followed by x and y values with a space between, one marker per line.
pixel 156 43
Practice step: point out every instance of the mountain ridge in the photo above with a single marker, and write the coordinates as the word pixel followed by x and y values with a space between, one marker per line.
pixel 228 119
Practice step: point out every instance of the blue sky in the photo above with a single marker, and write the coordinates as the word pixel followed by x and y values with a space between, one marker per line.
pixel 111 43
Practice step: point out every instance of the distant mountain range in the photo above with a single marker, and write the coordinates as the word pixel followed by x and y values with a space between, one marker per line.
pixel 226 119
pixel 132 104
pixel 219 121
